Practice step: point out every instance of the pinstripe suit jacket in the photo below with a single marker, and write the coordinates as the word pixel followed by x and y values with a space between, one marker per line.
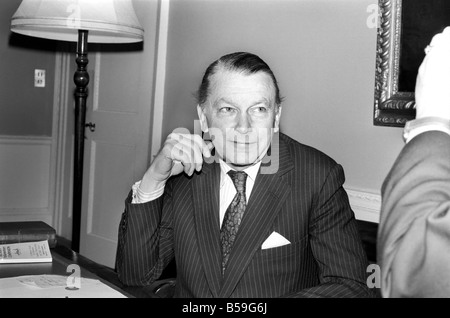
pixel 304 201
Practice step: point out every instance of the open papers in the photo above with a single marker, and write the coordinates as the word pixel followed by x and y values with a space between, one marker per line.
pixel 55 286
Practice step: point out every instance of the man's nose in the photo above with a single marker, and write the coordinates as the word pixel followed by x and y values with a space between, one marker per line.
pixel 243 125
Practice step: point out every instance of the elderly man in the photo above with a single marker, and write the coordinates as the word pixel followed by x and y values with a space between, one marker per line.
pixel 251 213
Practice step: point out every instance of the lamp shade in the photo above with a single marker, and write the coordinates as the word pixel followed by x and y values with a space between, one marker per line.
pixel 108 21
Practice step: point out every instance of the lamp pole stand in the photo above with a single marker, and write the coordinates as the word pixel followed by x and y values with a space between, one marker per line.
pixel 81 79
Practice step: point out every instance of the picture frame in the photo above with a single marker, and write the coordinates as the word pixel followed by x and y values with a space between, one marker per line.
pixel 405 29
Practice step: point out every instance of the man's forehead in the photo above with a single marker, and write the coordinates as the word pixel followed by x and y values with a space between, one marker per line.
pixel 234 75
pixel 239 82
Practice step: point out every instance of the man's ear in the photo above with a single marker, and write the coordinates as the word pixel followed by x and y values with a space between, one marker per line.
pixel 276 124
pixel 202 118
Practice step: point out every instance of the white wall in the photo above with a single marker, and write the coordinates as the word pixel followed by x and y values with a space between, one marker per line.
pixel 323 54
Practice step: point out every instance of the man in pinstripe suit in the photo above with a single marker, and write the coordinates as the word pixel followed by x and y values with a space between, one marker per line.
pixel 298 235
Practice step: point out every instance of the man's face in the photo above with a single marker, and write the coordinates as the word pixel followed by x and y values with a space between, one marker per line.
pixel 241 116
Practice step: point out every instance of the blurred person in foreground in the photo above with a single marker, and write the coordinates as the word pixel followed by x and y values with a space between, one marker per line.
pixel 414 231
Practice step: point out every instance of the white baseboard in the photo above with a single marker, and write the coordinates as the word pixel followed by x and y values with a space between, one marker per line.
pixel 366 205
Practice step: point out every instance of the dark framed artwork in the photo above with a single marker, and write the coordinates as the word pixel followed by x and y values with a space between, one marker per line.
pixel 405 28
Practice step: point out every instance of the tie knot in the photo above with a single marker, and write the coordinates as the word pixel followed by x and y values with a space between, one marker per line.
pixel 239 178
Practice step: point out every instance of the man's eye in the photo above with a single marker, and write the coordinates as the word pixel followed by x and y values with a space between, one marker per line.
pixel 260 109
pixel 226 109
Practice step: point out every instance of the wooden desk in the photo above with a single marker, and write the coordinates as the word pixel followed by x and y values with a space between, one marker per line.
pixel 58 266
pixel 109 275
pixel 64 256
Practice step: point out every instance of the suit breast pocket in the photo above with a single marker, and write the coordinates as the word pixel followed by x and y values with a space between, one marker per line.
pixel 285 251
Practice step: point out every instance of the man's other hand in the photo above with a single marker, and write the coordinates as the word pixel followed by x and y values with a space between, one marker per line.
pixel 432 92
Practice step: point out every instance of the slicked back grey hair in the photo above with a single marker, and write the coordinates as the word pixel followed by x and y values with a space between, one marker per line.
pixel 244 62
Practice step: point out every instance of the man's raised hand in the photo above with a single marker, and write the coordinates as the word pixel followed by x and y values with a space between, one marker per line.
pixel 180 153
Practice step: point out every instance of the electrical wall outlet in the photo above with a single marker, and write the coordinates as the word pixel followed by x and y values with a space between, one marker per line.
pixel 39 78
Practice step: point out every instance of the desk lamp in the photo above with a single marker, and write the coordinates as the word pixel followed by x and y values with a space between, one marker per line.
pixel 81 21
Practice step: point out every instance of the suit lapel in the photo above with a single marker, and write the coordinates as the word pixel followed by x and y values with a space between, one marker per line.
pixel 206 195
pixel 268 195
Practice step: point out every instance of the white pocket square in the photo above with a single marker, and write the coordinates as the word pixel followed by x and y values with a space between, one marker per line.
pixel 274 240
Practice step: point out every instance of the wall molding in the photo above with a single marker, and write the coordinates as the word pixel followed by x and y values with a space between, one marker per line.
pixel 26 157
pixel 160 78
pixel 25 140
pixel 366 205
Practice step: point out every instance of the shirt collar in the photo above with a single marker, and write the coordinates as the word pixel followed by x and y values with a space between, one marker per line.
pixel 251 171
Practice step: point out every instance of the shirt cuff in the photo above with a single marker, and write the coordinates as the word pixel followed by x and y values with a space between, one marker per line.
pixel 421 125
pixel 140 196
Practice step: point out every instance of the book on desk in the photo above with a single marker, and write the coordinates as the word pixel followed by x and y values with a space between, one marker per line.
pixel 27 231
pixel 25 252
pixel 26 242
